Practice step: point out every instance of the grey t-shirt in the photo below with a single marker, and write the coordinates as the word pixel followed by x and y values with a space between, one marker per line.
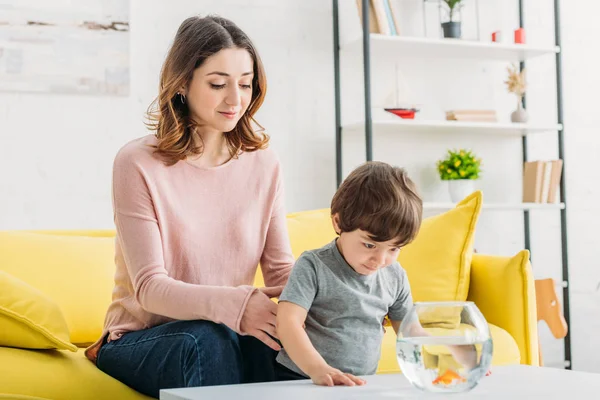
pixel 345 309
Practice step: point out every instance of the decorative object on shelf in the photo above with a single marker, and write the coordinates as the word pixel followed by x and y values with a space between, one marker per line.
pixel 517 84
pixel 472 115
pixel 460 168
pixel 497 37
pixel 452 27
pixel 520 35
pixel 406 113
pixel 399 98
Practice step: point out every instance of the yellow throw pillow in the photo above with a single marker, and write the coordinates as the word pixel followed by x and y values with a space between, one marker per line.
pixel 74 271
pixel 29 319
pixel 307 230
pixel 438 261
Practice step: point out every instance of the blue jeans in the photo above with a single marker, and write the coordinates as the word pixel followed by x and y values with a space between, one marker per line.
pixel 188 353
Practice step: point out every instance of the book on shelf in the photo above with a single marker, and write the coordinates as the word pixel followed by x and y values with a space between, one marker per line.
pixel 382 16
pixel 541 181
pixel 472 115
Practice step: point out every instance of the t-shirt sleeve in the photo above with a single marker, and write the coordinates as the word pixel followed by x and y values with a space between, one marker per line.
pixel 403 301
pixel 302 284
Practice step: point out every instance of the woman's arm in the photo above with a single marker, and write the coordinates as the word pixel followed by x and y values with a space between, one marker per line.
pixel 277 260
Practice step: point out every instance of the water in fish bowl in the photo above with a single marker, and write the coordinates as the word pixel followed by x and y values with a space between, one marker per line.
pixel 444 346
pixel 444 363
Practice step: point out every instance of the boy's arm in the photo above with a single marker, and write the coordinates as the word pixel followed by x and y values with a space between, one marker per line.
pixel 396 326
pixel 464 354
pixel 295 341
pixel 415 330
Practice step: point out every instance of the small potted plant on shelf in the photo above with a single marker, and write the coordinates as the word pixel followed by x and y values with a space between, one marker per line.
pixel 516 84
pixel 452 27
pixel 460 168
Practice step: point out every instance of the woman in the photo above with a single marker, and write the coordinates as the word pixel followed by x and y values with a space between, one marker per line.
pixel 197 206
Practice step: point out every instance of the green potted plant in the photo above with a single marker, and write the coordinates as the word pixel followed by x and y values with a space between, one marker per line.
pixel 460 168
pixel 452 27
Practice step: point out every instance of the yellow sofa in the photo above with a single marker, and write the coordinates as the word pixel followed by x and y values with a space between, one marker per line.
pixel 72 270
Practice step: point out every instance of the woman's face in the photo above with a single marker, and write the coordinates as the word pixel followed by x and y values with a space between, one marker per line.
pixel 221 89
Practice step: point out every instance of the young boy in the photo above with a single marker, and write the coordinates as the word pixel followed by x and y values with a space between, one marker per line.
pixel 343 291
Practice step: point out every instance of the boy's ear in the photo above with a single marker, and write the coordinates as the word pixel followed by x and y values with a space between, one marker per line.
pixel 335 219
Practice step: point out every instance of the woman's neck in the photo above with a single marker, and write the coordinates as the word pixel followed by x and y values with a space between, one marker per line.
pixel 214 149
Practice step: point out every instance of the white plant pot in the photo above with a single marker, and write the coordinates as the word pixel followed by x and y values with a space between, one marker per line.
pixel 460 188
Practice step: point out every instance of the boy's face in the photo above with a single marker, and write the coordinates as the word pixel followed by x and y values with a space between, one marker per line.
pixel 362 253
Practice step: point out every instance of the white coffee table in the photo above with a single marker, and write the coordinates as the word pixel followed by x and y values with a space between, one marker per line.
pixel 509 382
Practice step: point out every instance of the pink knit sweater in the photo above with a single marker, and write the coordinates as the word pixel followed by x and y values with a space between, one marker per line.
pixel 189 239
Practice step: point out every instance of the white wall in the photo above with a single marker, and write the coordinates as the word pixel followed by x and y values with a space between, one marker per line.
pixel 56 151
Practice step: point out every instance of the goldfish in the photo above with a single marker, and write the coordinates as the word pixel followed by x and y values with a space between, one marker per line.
pixel 448 378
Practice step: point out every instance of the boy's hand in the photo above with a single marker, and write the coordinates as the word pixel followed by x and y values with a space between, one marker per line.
pixel 465 354
pixel 328 376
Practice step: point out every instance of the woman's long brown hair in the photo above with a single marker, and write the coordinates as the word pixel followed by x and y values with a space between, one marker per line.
pixel 197 39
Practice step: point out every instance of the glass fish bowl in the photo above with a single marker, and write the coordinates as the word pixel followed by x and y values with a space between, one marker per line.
pixel 444 346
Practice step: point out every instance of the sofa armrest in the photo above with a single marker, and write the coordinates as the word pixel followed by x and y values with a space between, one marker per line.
pixel 503 288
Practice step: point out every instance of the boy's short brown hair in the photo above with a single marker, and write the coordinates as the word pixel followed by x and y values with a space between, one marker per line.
pixel 381 200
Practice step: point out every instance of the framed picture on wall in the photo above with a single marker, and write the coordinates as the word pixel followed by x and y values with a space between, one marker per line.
pixel 65 47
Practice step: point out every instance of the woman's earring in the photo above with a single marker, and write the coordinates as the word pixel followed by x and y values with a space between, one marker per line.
pixel 181 98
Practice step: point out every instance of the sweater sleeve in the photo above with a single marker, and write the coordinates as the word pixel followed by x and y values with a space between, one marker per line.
pixel 277 259
pixel 139 236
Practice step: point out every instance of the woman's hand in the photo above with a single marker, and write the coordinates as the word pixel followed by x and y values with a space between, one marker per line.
pixel 329 376
pixel 260 316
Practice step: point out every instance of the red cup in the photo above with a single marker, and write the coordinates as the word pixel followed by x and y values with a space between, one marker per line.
pixel 520 35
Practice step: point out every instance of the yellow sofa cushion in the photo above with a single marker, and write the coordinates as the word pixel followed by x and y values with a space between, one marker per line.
pixel 504 290
pixel 29 319
pixel 307 230
pixel 438 261
pixel 310 230
pixel 55 374
pixel 74 271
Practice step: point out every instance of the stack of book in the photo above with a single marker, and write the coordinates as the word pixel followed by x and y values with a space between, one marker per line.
pixel 383 16
pixel 541 180
pixel 472 115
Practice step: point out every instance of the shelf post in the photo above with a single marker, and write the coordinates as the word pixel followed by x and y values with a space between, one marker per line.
pixel 526 227
pixel 563 192
pixel 367 78
pixel 336 76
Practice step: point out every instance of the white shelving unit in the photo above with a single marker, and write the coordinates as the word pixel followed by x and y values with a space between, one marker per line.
pixel 418 126
pixel 421 48
pixel 449 48
pixel 499 206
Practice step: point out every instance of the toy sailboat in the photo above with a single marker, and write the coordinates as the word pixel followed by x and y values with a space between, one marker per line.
pixel 400 108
